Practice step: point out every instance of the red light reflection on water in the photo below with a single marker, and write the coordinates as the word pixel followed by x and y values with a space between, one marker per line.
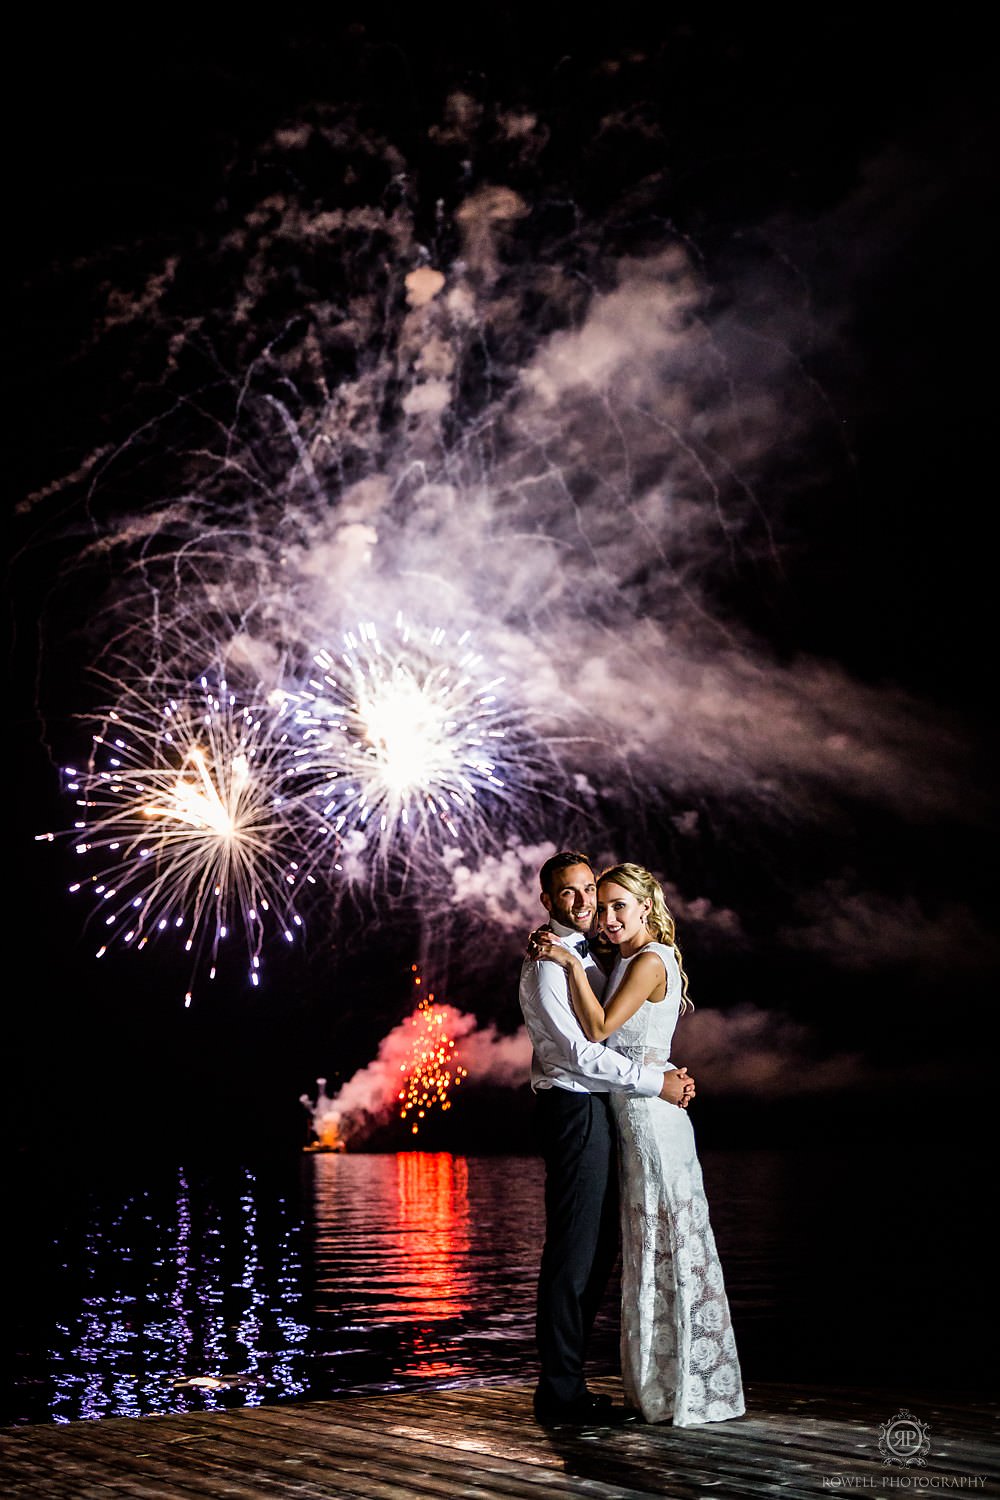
pixel 433 1189
pixel 393 1237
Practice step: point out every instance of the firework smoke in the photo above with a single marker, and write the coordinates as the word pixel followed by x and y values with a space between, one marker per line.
pixel 545 419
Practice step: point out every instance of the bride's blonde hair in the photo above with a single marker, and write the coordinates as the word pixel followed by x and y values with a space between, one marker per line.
pixel 645 887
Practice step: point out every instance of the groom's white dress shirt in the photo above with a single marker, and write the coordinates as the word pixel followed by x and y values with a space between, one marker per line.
pixel 562 1056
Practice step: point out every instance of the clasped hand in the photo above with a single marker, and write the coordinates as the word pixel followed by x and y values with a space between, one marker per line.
pixel 678 1087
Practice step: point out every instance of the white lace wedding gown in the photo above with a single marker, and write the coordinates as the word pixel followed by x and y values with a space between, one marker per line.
pixel 677 1347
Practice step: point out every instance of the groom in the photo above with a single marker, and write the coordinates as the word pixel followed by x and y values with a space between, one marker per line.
pixel 572 1079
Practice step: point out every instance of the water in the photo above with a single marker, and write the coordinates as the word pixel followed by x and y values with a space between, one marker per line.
pixel 337 1273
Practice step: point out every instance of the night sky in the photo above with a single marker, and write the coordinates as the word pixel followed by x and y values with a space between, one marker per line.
pixel 687 416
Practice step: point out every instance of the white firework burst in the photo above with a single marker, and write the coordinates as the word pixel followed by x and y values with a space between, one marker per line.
pixel 406 734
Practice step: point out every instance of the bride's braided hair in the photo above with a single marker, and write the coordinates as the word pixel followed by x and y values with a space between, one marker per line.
pixel 645 887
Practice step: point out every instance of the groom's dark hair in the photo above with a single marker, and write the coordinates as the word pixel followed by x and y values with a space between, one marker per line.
pixel 557 862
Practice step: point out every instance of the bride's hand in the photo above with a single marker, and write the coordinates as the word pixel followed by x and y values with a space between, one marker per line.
pixel 549 947
pixel 534 941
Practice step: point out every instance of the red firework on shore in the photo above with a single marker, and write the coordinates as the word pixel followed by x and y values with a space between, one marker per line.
pixel 433 1068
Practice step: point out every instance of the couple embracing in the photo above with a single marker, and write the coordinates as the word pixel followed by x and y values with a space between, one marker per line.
pixel 601 991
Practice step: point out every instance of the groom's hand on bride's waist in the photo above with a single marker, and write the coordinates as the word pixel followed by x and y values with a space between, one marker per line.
pixel 678 1087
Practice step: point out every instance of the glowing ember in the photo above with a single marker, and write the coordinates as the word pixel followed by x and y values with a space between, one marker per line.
pixel 433 1067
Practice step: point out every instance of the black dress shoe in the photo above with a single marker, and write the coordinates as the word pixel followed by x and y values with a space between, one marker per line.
pixel 588 1411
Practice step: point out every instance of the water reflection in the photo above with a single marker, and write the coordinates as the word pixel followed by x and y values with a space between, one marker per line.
pixel 338 1272
pixel 334 1272
pixel 393 1255
pixel 366 1214
pixel 161 1301
pixel 434 1220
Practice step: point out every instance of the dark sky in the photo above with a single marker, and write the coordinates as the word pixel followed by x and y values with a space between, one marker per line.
pixel 714 347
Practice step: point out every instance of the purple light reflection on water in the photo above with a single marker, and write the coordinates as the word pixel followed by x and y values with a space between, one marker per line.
pixel 135 1294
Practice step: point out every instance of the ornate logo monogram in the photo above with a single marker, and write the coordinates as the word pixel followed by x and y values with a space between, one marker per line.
pixel 904 1440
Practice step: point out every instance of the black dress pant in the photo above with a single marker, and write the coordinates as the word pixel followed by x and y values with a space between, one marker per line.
pixel 577 1141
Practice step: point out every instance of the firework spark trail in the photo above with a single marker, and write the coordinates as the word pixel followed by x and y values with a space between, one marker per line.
pixel 192 810
pixel 544 475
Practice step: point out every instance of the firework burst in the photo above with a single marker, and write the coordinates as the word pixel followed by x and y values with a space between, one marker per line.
pixel 406 733
pixel 189 809
pixel 206 814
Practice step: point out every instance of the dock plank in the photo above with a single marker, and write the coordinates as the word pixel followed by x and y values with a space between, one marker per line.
pixel 435 1462
pixel 481 1443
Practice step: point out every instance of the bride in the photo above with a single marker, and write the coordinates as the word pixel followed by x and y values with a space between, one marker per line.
pixel 678 1353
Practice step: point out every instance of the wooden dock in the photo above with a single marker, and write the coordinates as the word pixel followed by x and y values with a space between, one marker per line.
pixel 482 1443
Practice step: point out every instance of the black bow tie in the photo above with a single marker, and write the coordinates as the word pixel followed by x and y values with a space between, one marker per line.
pixel 582 947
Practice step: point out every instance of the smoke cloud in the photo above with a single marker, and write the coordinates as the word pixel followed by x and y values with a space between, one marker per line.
pixel 751 1052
